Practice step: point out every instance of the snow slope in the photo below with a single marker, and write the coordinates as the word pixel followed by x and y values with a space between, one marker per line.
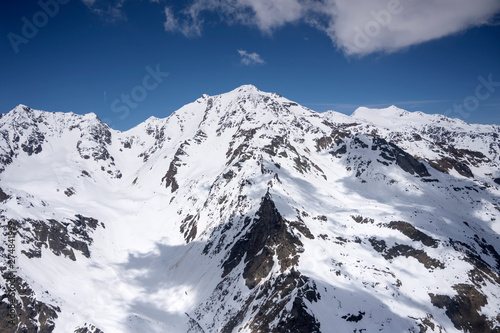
pixel 246 212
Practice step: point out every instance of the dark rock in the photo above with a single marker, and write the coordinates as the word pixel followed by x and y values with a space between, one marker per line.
pixel 464 309
pixel 481 269
pixel 390 152
pixel 242 150
pixel 416 137
pixel 360 219
pixel 200 137
pixel 273 297
pixel 324 143
pixel 189 227
pixel 299 320
pixel 34 143
pixel 378 245
pixel 228 175
pixel 169 177
pixel 3 196
pixel 340 151
pixel 409 164
pixel 489 250
pixel 60 238
pixel 354 318
pixel 69 191
pixel 268 236
pixel 445 164
pixel 458 159
pixel 406 251
pixel 31 314
pixel 414 234
pixel 277 142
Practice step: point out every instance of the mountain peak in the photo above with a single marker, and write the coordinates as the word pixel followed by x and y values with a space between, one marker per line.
pixel 247 88
pixel 389 112
pixel 392 117
pixel 22 108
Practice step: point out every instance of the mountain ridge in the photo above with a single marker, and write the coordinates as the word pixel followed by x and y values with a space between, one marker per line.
pixel 248 212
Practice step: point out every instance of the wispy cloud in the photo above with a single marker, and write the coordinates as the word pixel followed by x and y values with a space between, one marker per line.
pixel 188 27
pixel 171 24
pixel 357 27
pixel 248 59
pixel 110 11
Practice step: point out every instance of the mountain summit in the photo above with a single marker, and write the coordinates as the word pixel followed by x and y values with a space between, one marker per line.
pixel 246 212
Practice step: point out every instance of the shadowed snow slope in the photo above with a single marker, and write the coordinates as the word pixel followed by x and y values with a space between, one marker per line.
pixel 246 212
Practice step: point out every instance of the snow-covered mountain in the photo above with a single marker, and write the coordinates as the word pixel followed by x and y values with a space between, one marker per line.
pixel 246 212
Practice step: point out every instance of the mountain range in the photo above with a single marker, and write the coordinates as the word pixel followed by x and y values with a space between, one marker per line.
pixel 246 212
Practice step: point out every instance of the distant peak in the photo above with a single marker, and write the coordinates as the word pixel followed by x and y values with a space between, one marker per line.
pixel 389 112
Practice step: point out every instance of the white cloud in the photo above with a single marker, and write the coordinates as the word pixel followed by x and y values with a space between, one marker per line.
pixel 250 58
pixel 357 27
pixel 362 27
pixel 171 23
pixel 269 15
pixel 110 11
pixel 188 27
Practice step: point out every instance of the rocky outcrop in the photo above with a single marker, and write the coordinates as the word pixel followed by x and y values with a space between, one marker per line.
pixel 27 313
pixel 62 238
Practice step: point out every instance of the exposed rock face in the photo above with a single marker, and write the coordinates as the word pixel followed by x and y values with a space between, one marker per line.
pixel 391 152
pixel 169 177
pixel 414 234
pixel 269 236
pixel 464 309
pixel 406 251
pixel 27 314
pixel 3 196
pixel 62 238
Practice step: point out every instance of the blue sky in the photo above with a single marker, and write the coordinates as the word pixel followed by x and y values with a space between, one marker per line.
pixel 127 60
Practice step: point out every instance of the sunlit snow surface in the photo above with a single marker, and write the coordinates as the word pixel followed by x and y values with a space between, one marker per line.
pixel 146 275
